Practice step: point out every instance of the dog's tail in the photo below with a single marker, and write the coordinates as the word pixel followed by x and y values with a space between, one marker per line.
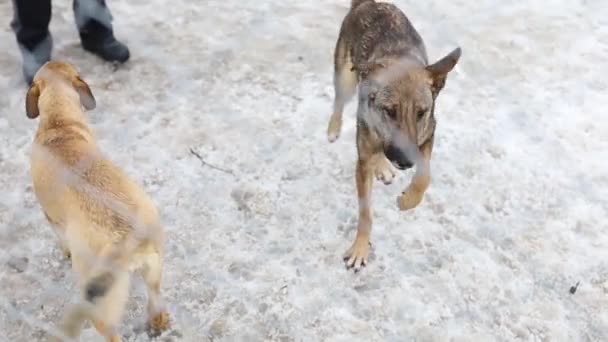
pixel 356 3
pixel 100 284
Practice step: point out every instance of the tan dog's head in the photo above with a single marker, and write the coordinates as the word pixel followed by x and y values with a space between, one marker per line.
pixel 57 73
pixel 397 102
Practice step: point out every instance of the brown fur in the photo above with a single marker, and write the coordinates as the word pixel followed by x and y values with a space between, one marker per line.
pixel 105 222
pixel 380 51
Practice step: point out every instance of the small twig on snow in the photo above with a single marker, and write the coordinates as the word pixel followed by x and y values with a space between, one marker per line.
pixel 199 157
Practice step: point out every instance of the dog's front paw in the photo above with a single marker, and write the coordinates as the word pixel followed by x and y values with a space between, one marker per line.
pixel 334 127
pixel 384 171
pixel 65 251
pixel 158 323
pixel 357 255
pixel 409 199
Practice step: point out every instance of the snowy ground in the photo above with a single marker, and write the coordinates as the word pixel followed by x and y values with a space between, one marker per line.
pixel 516 215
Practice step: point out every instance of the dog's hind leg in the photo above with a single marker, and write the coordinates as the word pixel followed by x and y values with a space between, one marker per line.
pixel 412 196
pixel 104 295
pixel 108 333
pixel 110 304
pixel 158 317
pixel 345 84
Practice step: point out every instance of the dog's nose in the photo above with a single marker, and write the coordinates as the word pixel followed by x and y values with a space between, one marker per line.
pixel 398 157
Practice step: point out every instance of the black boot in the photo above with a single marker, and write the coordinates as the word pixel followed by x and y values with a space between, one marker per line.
pixel 30 24
pixel 94 22
pixel 107 48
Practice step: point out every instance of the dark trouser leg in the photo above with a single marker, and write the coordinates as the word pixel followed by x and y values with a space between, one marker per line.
pixel 94 22
pixel 93 19
pixel 31 26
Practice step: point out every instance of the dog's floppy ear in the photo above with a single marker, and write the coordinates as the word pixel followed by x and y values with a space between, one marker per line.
pixel 366 68
pixel 31 101
pixel 440 69
pixel 86 96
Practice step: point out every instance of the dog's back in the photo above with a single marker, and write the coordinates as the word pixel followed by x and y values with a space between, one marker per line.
pixel 82 190
pixel 372 29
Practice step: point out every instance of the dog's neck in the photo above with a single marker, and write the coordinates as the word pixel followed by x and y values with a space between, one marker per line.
pixel 59 105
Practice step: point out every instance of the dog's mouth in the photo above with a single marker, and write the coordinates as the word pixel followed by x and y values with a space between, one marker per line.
pixel 400 166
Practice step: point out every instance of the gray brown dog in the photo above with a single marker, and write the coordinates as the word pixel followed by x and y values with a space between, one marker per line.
pixel 105 222
pixel 380 51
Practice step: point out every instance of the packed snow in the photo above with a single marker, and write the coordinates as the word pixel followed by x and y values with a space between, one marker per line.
pixel 516 214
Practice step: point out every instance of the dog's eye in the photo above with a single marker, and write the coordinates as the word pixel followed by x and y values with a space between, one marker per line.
pixel 420 114
pixel 390 112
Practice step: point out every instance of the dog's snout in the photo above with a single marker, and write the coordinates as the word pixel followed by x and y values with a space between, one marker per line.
pixel 398 157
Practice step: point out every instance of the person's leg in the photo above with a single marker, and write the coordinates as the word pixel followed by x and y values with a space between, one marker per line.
pixel 31 26
pixel 94 22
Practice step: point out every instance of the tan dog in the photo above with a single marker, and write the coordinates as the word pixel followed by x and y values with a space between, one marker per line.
pixel 379 50
pixel 105 222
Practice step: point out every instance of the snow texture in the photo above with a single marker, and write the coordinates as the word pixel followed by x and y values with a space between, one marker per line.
pixel 516 213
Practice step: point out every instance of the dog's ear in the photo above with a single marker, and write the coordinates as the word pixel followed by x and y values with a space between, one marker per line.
pixel 365 68
pixel 86 96
pixel 31 101
pixel 440 69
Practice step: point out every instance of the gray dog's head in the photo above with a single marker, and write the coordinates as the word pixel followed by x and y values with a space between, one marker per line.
pixel 397 100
